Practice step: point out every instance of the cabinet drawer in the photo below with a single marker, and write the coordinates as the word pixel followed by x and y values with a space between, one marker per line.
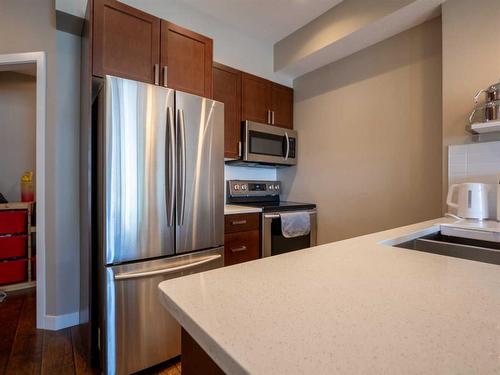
pixel 13 271
pixel 241 222
pixel 13 246
pixel 13 221
pixel 241 247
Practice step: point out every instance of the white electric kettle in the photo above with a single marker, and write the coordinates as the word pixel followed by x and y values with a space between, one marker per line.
pixel 472 200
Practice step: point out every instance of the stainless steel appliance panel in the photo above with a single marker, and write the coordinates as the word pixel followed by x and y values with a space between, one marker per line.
pixel 288 244
pixel 138 171
pixel 200 173
pixel 139 331
pixel 269 144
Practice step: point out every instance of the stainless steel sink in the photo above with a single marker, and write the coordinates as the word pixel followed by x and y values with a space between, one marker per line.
pixel 465 248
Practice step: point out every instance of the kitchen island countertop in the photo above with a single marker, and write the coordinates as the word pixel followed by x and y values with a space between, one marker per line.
pixel 353 306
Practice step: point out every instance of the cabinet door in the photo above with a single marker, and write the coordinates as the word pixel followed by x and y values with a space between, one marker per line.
pixel 241 247
pixel 227 89
pixel 282 105
pixel 255 98
pixel 126 41
pixel 188 59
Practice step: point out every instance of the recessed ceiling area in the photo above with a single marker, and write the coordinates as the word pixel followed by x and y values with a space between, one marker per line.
pixel 266 20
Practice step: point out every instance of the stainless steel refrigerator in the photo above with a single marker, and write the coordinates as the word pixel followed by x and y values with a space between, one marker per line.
pixel 160 212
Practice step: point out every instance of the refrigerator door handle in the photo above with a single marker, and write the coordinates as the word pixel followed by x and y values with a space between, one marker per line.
pixel 182 164
pixel 171 166
pixel 165 271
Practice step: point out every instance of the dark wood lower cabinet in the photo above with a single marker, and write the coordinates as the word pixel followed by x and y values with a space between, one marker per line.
pixel 241 238
pixel 241 247
pixel 195 361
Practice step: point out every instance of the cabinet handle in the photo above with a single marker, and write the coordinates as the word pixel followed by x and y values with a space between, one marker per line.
pixel 239 222
pixel 165 72
pixel 238 249
pixel 268 116
pixel 239 149
pixel 272 117
pixel 157 74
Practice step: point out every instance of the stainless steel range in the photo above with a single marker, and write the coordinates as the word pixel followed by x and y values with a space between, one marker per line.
pixel 266 195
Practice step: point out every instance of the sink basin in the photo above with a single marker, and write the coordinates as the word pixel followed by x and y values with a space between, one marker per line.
pixel 465 248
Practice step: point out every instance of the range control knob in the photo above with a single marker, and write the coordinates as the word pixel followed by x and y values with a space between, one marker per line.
pixel 236 187
pixel 271 187
pixel 243 187
pixel 276 187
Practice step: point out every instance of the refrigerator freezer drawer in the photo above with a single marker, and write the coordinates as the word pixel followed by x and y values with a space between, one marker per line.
pixel 139 332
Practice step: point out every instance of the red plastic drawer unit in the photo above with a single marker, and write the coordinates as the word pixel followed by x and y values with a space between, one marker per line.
pixel 13 271
pixel 13 246
pixel 13 221
pixel 33 268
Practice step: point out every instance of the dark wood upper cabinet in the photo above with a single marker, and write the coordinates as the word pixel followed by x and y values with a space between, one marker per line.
pixel 255 98
pixel 227 89
pixel 126 41
pixel 282 106
pixel 188 58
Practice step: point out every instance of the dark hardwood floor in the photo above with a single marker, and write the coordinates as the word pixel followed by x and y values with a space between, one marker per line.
pixel 27 350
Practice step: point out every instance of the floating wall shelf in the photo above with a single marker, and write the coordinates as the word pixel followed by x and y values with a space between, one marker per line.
pixel 484 127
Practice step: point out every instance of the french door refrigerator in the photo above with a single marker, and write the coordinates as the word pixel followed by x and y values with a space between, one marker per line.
pixel 160 212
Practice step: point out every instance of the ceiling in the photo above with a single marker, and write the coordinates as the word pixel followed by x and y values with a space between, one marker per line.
pixel 267 20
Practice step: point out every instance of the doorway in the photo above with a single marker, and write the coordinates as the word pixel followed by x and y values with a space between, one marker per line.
pixel 23 79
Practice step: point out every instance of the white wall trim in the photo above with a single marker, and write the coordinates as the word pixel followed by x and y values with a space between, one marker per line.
pixel 39 58
pixel 56 322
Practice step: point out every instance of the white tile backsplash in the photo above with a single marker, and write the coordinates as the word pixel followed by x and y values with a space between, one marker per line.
pixel 476 162
pixel 233 172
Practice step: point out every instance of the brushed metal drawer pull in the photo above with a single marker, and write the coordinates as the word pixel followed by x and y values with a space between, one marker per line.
pixel 238 249
pixel 239 222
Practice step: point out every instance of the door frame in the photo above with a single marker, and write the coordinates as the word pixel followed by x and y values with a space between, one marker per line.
pixel 38 58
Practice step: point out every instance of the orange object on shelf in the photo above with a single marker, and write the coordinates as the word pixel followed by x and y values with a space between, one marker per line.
pixel 27 187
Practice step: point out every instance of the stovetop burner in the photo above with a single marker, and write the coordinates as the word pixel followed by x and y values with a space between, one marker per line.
pixel 279 206
pixel 262 194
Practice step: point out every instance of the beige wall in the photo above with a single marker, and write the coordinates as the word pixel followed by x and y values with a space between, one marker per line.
pixel 333 25
pixel 17 129
pixel 27 26
pixel 370 136
pixel 471 61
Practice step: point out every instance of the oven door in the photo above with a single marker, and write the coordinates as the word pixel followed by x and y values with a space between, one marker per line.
pixel 269 144
pixel 273 241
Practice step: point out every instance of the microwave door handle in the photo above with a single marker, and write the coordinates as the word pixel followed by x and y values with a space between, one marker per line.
pixel 287 146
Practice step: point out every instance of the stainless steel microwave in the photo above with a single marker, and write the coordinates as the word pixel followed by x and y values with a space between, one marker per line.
pixel 267 144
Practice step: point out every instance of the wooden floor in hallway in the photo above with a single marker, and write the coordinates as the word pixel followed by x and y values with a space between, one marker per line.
pixel 27 350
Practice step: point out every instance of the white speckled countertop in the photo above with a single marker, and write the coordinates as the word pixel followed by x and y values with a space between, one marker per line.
pixel 350 307
pixel 230 209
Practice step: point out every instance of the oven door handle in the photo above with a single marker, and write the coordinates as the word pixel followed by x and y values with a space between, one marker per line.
pixel 277 216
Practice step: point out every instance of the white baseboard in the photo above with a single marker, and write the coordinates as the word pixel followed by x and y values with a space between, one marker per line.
pixel 57 322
